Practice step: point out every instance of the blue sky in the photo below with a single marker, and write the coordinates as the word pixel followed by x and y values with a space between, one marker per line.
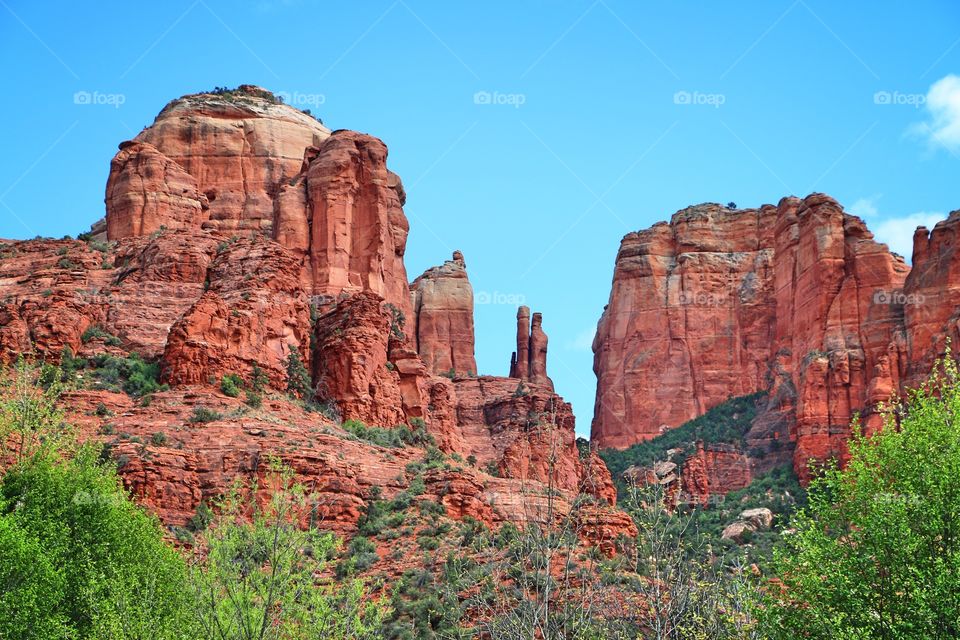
pixel 530 134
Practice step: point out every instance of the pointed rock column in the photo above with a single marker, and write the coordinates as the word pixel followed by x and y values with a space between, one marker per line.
pixel 529 361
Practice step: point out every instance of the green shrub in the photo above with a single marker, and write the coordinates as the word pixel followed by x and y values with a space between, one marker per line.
pixel 231 385
pixel 204 414
pixel 253 399
pixel 159 439
pixel 80 560
pixel 132 374
pixel 96 332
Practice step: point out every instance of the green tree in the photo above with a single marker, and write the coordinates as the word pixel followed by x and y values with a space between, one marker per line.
pixel 298 378
pixel 80 560
pixel 876 554
pixel 258 580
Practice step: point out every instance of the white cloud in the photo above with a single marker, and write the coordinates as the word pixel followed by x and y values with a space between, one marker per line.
pixel 942 127
pixel 895 231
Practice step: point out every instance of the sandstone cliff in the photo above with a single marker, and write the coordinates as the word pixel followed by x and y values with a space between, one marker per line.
pixel 798 300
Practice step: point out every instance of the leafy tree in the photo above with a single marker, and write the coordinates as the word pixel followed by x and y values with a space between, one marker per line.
pixel 258 580
pixel 80 560
pixel 877 552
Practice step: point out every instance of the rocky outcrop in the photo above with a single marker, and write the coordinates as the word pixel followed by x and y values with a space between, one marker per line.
pixel 252 313
pixel 443 318
pixel 147 191
pixel 343 215
pixel 750 521
pixel 713 470
pixel 529 361
pixel 689 322
pixel 797 299
pixel 229 150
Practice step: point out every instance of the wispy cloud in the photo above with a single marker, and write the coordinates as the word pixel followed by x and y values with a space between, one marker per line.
pixel 896 231
pixel 942 126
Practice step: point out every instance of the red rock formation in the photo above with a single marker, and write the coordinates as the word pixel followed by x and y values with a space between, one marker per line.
pixel 343 215
pixel 443 318
pixel 239 147
pixel 689 322
pixel 147 191
pixel 252 313
pixel 350 366
pixel 529 361
pixel 797 299
pixel 712 470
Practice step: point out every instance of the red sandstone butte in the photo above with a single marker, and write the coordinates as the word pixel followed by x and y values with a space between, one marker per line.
pixel 443 318
pixel 797 300
pixel 238 147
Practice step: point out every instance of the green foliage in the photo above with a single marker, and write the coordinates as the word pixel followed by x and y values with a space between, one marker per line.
pixel 131 374
pixel 259 578
pixel 67 263
pixel 298 378
pixel 398 436
pixel 253 399
pixel 727 422
pixel 876 554
pixel 779 490
pixel 258 379
pixel 158 439
pixel 96 332
pixel 80 560
pixel 231 385
pixel 204 414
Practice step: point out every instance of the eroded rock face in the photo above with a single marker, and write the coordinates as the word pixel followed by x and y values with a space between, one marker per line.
pixel 147 191
pixel 689 322
pixel 252 313
pixel 238 148
pixel 529 361
pixel 798 300
pixel 343 215
pixel 443 318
